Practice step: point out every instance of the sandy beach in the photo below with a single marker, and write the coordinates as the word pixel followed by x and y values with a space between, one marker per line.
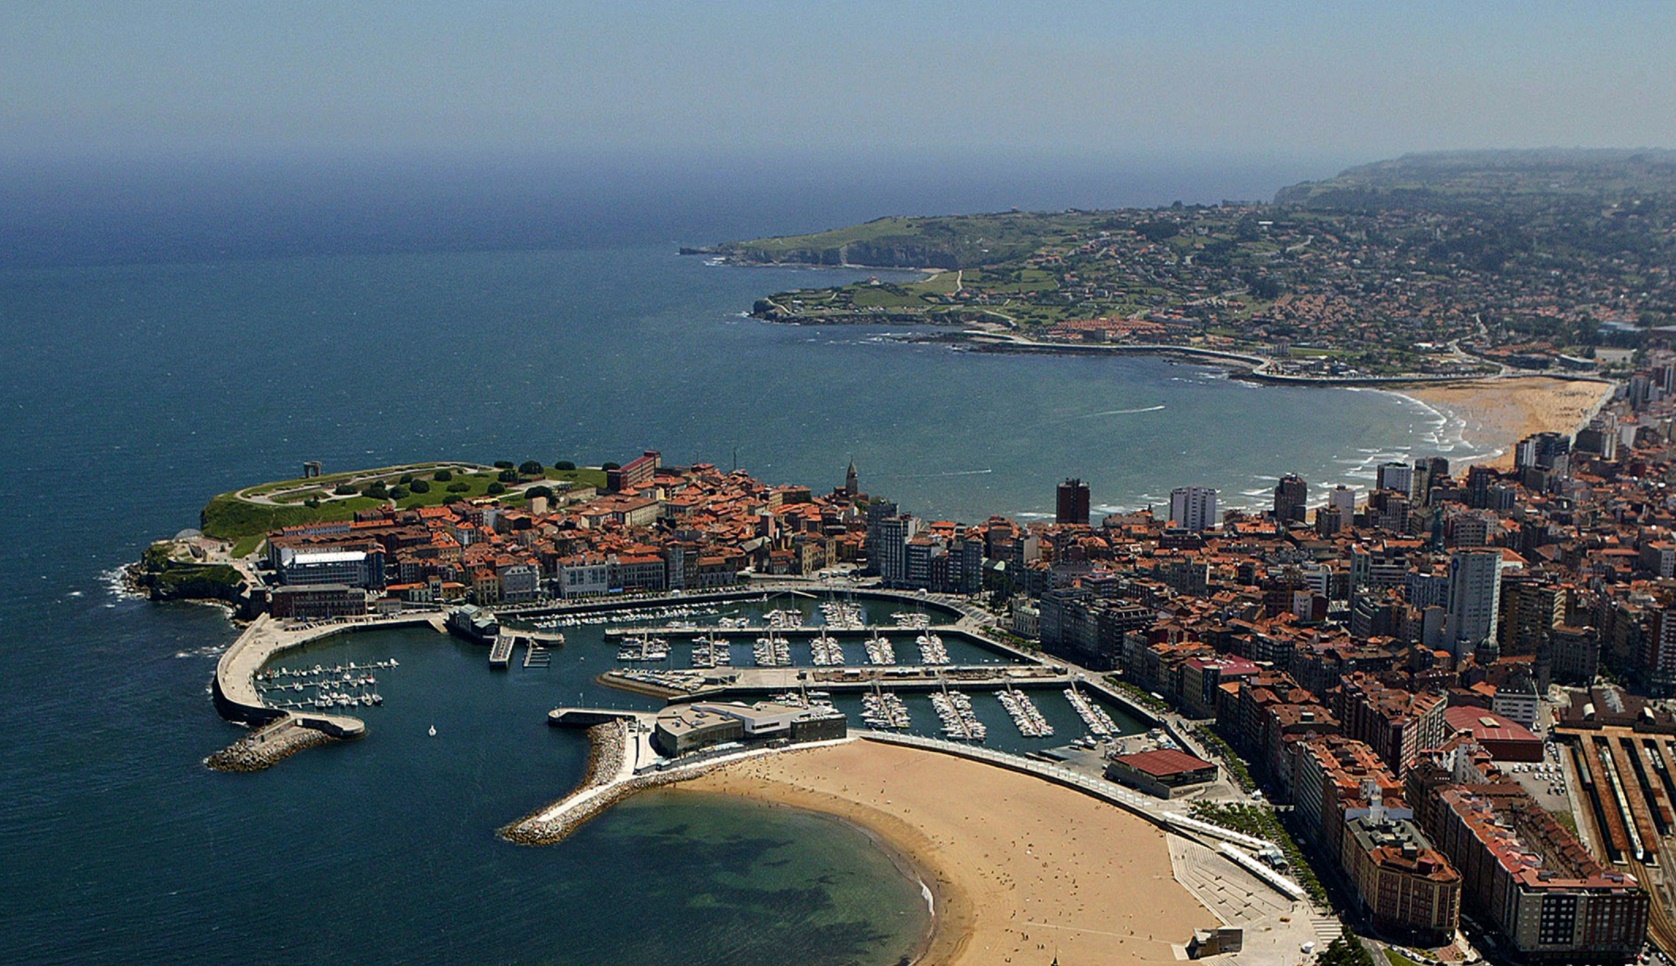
pixel 1497 413
pixel 1021 870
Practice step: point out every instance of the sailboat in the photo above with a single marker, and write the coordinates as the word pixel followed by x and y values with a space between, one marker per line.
pixel 433 731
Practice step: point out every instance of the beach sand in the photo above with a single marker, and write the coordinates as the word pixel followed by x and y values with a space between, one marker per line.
pixel 1022 870
pixel 1497 413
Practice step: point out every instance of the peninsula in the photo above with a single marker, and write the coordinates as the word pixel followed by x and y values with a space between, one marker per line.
pixel 1423 268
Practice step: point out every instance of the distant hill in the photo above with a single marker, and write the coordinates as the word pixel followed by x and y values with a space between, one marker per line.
pixel 948 242
pixel 1459 180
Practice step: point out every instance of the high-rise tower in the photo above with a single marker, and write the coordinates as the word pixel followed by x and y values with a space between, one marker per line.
pixel 1072 505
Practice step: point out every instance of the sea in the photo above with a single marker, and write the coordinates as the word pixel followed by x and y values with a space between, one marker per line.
pixel 173 332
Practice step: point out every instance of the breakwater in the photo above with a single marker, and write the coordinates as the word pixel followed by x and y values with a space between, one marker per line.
pixel 268 746
pixel 607 762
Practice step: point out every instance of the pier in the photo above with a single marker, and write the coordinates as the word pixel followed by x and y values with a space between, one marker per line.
pixel 500 652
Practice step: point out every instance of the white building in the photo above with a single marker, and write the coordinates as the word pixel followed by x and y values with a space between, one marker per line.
pixel 1193 507
pixel 1397 476
pixel 1474 599
pixel 582 576
pixel 1343 499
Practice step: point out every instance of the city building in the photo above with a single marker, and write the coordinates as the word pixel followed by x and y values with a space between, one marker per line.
pixel 1474 600
pixel 1501 736
pixel 1529 878
pixel 317 601
pixel 1396 476
pixel 1193 507
pixel 1072 503
pixel 1163 773
pixel 1290 496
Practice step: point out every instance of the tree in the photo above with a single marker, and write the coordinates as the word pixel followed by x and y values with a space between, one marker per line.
pixel 406 478
pixel 460 487
pixel 377 490
pixel 420 486
pixel 503 464
pixel 451 500
pixel 531 468
pixel 1344 951
pixel 496 488
pixel 565 466
pixel 542 491
pixel 611 466
pixel 508 476
pixel 346 490
pixel 398 492
pixel 443 476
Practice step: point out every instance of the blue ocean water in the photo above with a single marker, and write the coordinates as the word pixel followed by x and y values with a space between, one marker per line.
pixel 153 361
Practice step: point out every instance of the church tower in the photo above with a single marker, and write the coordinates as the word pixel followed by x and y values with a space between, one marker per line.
pixel 852 485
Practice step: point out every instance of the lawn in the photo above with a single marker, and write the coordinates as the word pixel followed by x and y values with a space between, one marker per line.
pixel 227 517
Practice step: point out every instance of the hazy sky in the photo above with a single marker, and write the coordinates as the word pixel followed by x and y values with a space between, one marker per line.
pixel 1266 80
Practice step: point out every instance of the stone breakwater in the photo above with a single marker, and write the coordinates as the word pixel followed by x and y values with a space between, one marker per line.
pixel 607 752
pixel 551 831
pixel 267 746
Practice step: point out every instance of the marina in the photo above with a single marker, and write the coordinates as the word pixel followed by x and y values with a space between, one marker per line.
pixel 1024 713
pixel 825 650
pixel 319 688
pixel 772 651
pixel 1099 723
pixel 931 649
pixel 879 650
pixel 843 615
pixel 885 710
pixel 960 722
pixel 643 649
pixel 711 652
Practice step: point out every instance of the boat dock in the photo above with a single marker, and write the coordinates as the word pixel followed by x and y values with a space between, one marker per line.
pixel 799 631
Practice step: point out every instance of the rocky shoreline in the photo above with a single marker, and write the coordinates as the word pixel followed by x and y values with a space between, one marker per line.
pixel 267 746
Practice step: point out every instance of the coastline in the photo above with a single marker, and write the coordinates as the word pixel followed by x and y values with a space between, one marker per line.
pixel 1017 867
pixel 1494 414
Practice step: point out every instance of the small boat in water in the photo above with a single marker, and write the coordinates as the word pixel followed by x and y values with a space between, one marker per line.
pixel 433 731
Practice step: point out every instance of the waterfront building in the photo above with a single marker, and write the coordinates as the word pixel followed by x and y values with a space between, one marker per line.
pixel 852 482
pixel 1193 507
pixel 582 575
pixel 317 601
pixel 1474 600
pixel 356 568
pixel 1072 503
pixel 635 473
pixel 1290 495
pixel 1163 773
pixel 1395 476
pixel 887 543
pixel 685 728
pixel 1542 450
